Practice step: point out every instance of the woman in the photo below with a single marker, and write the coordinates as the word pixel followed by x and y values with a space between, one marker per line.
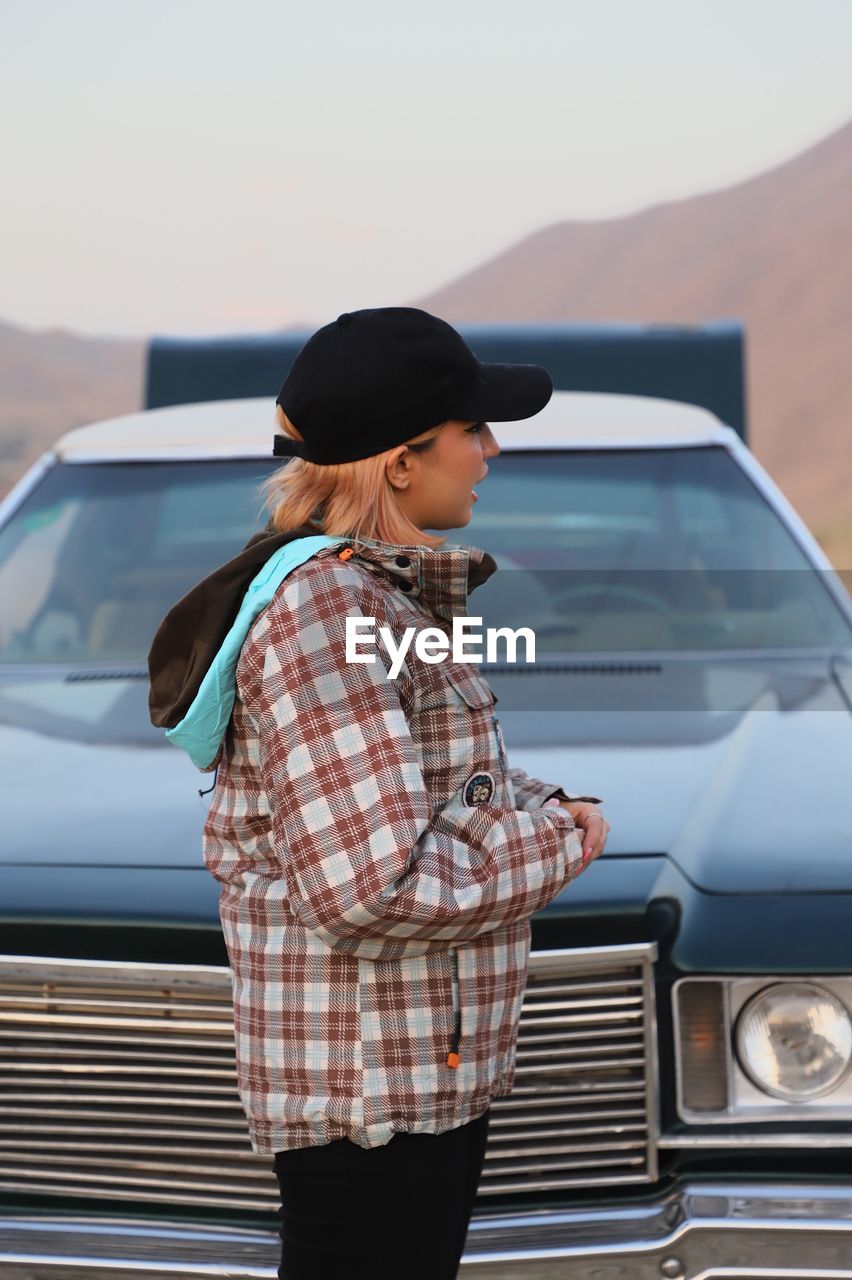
pixel 378 857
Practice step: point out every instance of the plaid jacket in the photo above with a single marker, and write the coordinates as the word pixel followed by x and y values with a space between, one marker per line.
pixel 379 862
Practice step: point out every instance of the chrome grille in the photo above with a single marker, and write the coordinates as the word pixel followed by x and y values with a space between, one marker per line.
pixel 118 1081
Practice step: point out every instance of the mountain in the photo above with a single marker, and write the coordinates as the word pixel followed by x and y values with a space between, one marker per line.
pixel 53 381
pixel 774 251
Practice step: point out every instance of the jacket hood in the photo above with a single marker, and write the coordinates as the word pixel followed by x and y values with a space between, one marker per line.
pixel 192 632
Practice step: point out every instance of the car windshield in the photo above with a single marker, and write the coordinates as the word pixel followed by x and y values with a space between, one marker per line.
pixel 663 549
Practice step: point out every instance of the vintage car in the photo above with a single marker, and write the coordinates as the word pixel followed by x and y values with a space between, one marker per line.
pixel 683 1101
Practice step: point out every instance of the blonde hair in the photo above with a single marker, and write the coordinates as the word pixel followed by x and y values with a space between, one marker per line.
pixel 353 500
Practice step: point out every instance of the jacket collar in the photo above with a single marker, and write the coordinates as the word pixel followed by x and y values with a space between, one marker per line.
pixel 441 579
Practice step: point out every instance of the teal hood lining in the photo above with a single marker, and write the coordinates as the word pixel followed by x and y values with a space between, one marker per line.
pixel 202 729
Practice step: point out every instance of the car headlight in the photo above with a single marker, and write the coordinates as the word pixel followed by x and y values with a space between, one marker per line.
pixel 794 1041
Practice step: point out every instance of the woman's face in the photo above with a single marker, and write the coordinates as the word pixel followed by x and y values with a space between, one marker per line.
pixel 434 488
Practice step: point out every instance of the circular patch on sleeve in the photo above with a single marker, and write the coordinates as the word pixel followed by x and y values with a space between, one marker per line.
pixel 478 789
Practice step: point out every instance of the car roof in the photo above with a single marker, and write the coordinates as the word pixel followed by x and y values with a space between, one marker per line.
pixel 245 428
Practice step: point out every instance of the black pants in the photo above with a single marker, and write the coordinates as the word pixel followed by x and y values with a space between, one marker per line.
pixel 403 1209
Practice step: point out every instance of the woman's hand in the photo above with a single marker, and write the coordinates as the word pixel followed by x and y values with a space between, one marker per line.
pixel 592 824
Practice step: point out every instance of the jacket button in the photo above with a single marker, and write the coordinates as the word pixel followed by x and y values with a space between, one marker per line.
pixel 406 586
pixel 403 562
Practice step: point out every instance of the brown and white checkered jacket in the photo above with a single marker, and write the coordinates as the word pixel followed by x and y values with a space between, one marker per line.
pixel 376 912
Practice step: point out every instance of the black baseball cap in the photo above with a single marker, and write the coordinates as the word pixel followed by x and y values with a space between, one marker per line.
pixel 375 378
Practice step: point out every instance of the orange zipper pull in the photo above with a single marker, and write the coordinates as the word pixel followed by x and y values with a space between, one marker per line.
pixel 347 553
pixel 453 1057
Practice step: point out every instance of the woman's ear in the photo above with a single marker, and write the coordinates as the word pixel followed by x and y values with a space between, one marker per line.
pixel 399 467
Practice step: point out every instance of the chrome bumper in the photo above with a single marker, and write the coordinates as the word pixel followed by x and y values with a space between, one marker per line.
pixel 697 1232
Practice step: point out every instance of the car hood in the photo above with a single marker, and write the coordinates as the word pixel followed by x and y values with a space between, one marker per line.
pixel 747 797
pixel 738 772
pixel 88 781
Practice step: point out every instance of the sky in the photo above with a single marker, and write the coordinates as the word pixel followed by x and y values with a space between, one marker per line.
pixel 204 166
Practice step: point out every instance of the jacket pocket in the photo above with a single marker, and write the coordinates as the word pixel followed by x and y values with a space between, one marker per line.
pixel 471 687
